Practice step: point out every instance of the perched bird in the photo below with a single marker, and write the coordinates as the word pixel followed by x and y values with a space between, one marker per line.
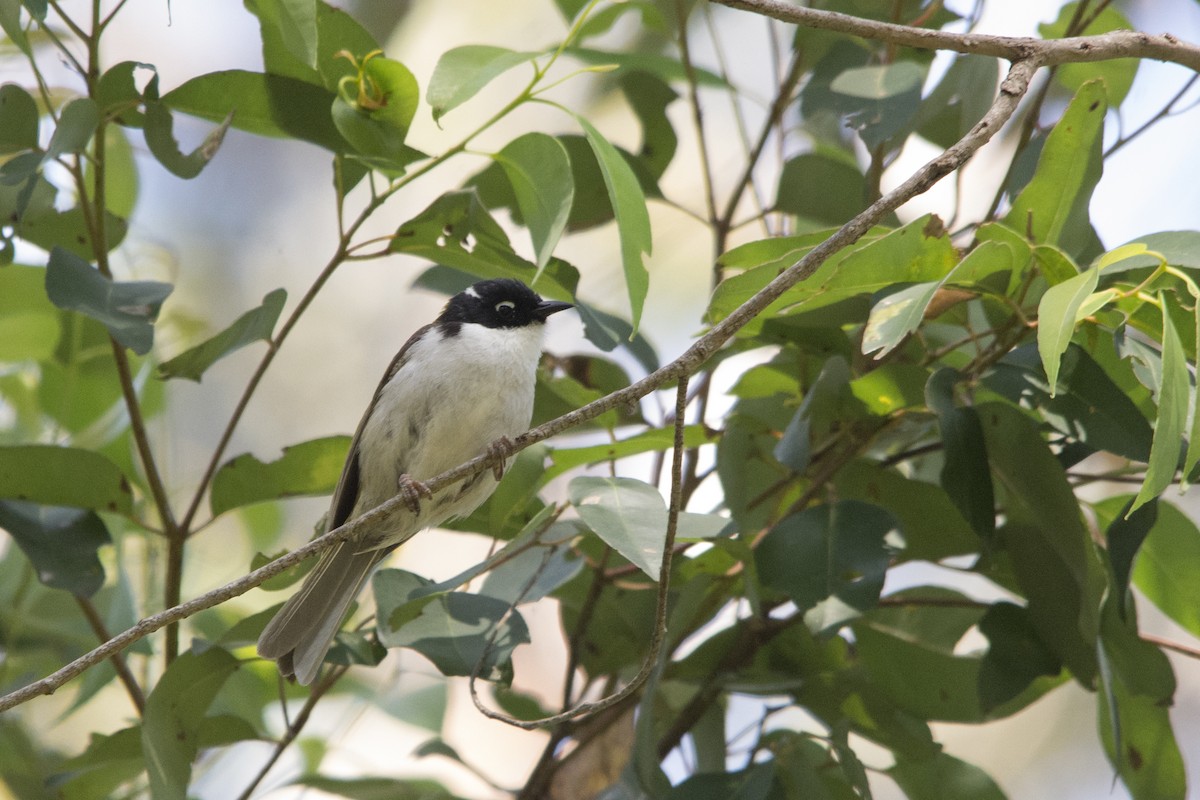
pixel 459 387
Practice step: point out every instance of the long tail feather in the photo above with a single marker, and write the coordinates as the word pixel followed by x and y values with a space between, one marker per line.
pixel 300 634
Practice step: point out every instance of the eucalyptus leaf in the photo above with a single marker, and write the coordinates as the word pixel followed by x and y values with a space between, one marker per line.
pixel 61 543
pixel 160 139
pixel 307 468
pixel 1169 427
pixel 540 173
pixel 630 516
pixel 127 309
pixel 63 476
pixel 256 324
pixel 462 71
pixel 1057 317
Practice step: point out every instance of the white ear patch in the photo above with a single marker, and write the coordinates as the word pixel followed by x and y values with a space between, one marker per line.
pixel 470 292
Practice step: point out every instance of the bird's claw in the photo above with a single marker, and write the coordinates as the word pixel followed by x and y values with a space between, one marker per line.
pixel 413 490
pixel 499 450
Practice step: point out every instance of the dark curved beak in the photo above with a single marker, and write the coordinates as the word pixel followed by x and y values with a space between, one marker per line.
pixel 548 307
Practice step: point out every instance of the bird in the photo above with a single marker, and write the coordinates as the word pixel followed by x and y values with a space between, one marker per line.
pixel 458 388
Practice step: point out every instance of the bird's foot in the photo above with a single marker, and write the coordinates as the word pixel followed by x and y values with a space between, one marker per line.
pixel 500 450
pixel 413 490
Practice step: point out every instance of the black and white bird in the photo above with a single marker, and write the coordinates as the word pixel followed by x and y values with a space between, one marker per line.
pixel 458 386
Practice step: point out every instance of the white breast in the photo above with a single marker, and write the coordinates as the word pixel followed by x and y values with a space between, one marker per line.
pixel 453 396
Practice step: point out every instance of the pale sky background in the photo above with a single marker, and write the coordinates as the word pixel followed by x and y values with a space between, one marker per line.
pixel 261 216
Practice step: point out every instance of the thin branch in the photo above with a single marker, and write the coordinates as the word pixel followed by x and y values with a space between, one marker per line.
pixel 96 622
pixel 710 198
pixel 1011 91
pixel 1047 52
pixel 660 617
pixel 1167 644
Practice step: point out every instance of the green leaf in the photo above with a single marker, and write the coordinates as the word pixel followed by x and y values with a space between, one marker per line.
pixel 1090 407
pixel 1164 570
pixel 540 173
pixel 960 99
pixel 29 322
pixel 63 476
pixel 160 138
pixel 630 516
pixel 266 105
pixel 256 324
pixel 69 230
pixel 879 101
pixel 1169 427
pixel 633 218
pixel 1124 537
pixel 824 186
pixel 10 22
pixel 61 543
pixel 308 468
pixel 896 316
pixel 462 71
pixel 1053 206
pixel 943 776
pixel 76 123
pixel 756 782
pixel 296 21
pixel 1117 73
pixel 175 715
pixel 649 97
pixel 127 309
pixel 377 133
pixel 933 528
pixel 18 120
pixel 964 474
pixel 456 231
pixel 649 441
pixel 1016 655
pixel 830 560
pixel 1057 316
pixel 1050 547
pixel 455 630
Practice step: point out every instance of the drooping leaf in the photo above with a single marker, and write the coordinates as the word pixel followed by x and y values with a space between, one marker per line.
pixel 830 560
pixel 462 71
pixel 307 468
pixel 630 516
pixel 1016 655
pixel 1054 204
pixel 61 543
pixel 175 715
pixel 160 138
pixel 1169 427
pixel 1164 567
pixel 965 475
pixel 1044 535
pixel 127 309
pixel 63 476
pixel 896 316
pixel 1057 318
pixel 960 99
pixel 540 173
pixel 1124 536
pixel 256 324
pixel 633 219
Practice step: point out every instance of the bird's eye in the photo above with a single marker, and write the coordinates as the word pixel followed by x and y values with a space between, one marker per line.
pixel 506 308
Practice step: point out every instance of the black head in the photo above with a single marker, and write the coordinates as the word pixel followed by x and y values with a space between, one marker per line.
pixel 502 303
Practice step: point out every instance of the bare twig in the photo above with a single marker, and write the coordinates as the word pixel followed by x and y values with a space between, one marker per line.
pixel 118 661
pixel 1047 52
pixel 1011 91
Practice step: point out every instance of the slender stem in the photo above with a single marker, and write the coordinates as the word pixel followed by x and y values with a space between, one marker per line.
pixel 294 728
pixel 96 622
pixel 689 69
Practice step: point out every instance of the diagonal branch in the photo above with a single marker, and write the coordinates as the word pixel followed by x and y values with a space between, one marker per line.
pixel 1048 52
pixel 1011 91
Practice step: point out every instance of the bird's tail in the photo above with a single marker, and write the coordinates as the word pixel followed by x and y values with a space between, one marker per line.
pixel 300 634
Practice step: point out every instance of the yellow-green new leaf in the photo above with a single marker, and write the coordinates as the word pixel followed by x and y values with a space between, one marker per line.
pixel 1056 319
pixel 1172 413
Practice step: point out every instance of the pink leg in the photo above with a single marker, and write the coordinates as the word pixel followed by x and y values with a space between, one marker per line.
pixel 500 450
pixel 413 490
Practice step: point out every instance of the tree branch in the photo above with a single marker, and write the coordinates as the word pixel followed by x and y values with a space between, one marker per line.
pixel 1012 90
pixel 1047 52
